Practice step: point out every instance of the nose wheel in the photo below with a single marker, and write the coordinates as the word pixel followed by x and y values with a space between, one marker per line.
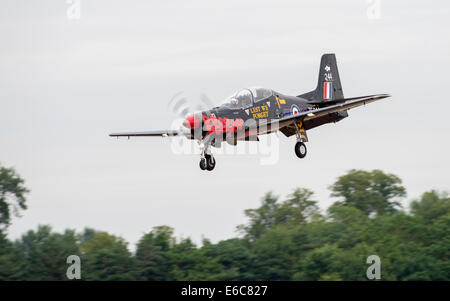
pixel 300 149
pixel 202 163
pixel 207 163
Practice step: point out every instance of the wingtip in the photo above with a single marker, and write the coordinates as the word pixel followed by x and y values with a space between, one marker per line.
pixel 381 96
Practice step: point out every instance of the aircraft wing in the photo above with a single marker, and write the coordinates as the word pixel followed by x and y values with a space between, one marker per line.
pixel 274 124
pixel 148 134
pixel 349 103
pixel 345 104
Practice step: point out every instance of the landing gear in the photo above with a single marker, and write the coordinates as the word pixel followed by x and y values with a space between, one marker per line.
pixel 300 149
pixel 210 162
pixel 207 163
pixel 203 164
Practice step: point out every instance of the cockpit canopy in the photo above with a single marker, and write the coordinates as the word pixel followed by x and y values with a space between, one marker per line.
pixel 246 97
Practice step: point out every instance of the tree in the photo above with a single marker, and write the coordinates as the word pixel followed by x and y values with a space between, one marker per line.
pixel 201 265
pixel 431 206
pixel 275 253
pixel 106 257
pixel 12 264
pixel 320 265
pixel 347 223
pixel 45 253
pixel 438 250
pixel 297 209
pixel 182 258
pixel 12 194
pixel 236 258
pixel 87 234
pixel 152 256
pixel 261 219
pixel 372 192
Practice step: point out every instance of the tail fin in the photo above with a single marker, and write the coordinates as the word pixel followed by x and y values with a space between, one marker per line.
pixel 329 84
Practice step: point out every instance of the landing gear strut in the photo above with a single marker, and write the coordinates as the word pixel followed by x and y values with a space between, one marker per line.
pixel 300 147
pixel 207 161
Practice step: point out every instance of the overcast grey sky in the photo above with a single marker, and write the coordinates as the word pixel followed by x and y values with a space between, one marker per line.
pixel 66 83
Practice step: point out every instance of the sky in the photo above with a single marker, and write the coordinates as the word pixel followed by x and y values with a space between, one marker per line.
pixel 71 72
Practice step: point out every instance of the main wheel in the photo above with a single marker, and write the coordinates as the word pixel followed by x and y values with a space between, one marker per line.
pixel 300 149
pixel 210 162
pixel 202 163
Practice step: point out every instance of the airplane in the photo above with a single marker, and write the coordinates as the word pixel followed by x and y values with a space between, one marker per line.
pixel 258 111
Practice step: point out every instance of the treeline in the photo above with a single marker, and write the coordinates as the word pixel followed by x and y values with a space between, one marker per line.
pixel 288 239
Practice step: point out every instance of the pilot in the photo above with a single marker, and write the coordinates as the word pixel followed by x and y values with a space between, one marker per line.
pixel 234 102
pixel 244 100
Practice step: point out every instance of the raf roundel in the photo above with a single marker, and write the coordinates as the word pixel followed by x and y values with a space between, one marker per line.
pixel 294 110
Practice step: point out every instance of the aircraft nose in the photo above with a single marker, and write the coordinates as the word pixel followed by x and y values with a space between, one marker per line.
pixel 191 122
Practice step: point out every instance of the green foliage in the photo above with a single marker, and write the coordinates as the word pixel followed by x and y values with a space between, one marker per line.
pixel 282 240
pixel 319 264
pixel 431 206
pixel 372 192
pixel 45 252
pixel 191 263
pixel 235 257
pixel 12 195
pixel 276 253
pixel 12 265
pixel 106 257
pixel 297 209
pixel 152 254
pixel 261 219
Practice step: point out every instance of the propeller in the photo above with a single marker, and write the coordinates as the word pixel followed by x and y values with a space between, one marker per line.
pixel 183 107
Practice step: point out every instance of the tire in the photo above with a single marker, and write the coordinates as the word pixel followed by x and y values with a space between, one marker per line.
pixel 300 150
pixel 211 163
pixel 203 164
